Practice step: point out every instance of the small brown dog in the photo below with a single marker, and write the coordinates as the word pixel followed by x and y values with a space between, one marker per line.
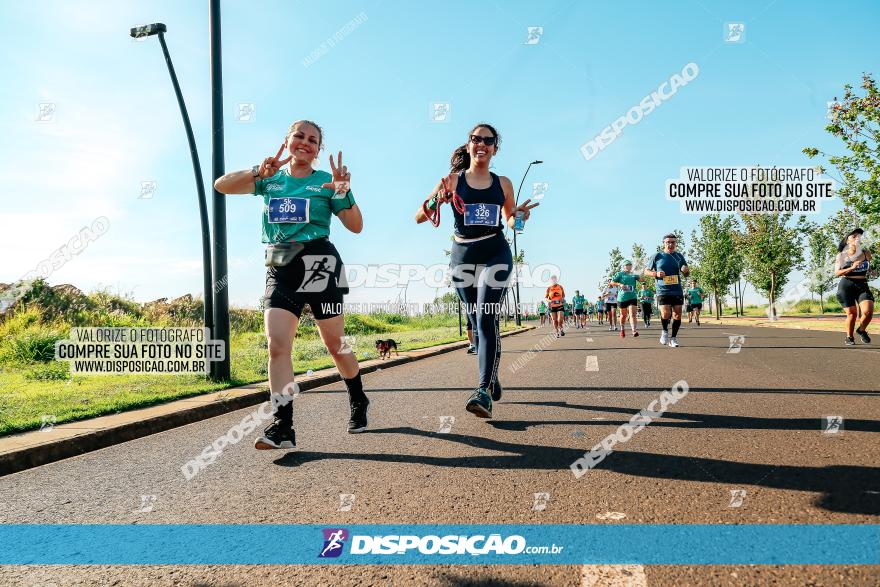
pixel 384 347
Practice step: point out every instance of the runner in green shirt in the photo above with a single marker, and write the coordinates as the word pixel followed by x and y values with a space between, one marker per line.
pixel 627 298
pixel 646 296
pixel 303 266
pixel 542 311
pixel 696 295
pixel 578 301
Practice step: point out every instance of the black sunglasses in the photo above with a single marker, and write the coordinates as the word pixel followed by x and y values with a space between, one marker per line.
pixel 478 140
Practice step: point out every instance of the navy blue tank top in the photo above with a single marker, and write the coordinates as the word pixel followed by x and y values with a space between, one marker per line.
pixel 482 215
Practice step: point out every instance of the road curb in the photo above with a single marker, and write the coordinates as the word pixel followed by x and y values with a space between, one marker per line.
pixel 176 413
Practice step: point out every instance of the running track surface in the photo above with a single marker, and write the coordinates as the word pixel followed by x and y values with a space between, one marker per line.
pixel 750 422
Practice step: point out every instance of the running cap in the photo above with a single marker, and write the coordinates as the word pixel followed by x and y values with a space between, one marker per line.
pixel 842 244
pixel 627 262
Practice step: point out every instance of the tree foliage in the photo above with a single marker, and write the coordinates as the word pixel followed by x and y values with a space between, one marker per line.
pixel 714 259
pixel 855 120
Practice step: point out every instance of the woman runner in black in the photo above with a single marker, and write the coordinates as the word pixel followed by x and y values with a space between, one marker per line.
pixel 852 265
pixel 303 266
pixel 481 261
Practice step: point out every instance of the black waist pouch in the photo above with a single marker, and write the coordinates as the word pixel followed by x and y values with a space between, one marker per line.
pixel 281 254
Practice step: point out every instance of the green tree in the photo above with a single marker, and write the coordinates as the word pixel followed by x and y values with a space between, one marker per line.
pixel 771 250
pixel 820 262
pixel 640 261
pixel 615 258
pixel 714 258
pixel 856 121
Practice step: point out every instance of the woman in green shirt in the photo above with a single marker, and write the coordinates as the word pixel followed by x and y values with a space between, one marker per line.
pixel 542 311
pixel 303 266
pixel 626 297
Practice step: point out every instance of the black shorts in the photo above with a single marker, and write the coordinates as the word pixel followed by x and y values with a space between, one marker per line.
pixel 539 314
pixel 695 307
pixel 557 309
pixel 315 277
pixel 609 307
pixel 851 292
pixel 665 300
pixel 628 303
pixel 579 312
pixel 646 308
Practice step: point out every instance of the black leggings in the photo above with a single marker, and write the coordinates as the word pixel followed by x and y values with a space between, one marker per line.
pixel 480 271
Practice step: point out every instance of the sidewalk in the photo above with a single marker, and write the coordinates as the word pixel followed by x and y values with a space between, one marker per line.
pixel 828 323
pixel 39 447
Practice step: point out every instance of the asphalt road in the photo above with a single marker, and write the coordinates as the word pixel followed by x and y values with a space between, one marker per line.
pixel 750 423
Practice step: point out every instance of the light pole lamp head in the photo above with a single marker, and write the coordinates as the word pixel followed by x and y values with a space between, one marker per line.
pixel 536 162
pixel 148 30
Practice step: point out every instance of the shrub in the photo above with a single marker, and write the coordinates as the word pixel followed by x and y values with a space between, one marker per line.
pixel 34 345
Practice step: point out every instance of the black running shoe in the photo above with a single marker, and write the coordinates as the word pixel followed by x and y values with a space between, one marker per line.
pixel 278 434
pixel 472 350
pixel 496 391
pixel 849 341
pixel 864 336
pixel 358 421
pixel 480 404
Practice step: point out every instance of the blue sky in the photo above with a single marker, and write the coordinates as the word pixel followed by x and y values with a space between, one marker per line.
pixel 116 123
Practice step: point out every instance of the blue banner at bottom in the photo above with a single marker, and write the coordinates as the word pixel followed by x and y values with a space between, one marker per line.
pixel 226 544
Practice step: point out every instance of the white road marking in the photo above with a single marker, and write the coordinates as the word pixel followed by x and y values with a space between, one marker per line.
pixel 592 363
pixel 589 339
pixel 613 576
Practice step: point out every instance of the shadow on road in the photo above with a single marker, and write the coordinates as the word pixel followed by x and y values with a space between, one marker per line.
pixel 842 488
pixel 633 389
pixel 696 420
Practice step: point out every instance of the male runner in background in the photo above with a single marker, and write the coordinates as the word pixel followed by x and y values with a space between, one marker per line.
pixel 578 303
pixel 696 295
pixel 646 296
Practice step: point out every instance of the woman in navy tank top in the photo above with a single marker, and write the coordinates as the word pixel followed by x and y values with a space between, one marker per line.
pixel 483 204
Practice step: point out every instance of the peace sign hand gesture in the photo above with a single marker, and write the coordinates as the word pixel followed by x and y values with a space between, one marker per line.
pixel 271 165
pixel 341 177
pixel 526 209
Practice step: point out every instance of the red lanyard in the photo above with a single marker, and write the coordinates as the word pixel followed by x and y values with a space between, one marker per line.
pixel 434 215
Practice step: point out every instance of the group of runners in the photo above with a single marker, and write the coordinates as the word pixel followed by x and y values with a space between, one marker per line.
pixel 303 267
pixel 629 292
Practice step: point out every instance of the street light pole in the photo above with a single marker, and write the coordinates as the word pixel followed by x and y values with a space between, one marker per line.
pixel 515 250
pixel 160 29
pixel 220 369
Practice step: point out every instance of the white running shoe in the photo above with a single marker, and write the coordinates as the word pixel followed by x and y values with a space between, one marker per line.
pixel 664 337
pixel 673 342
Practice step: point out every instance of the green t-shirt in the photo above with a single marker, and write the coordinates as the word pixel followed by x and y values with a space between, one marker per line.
pixel 578 302
pixel 646 294
pixel 319 202
pixel 542 308
pixel 628 291
pixel 696 295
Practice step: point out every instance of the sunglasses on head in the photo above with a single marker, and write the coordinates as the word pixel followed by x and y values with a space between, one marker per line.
pixel 478 140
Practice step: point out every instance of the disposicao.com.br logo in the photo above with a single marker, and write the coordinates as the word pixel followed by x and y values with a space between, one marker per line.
pixel 393 544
